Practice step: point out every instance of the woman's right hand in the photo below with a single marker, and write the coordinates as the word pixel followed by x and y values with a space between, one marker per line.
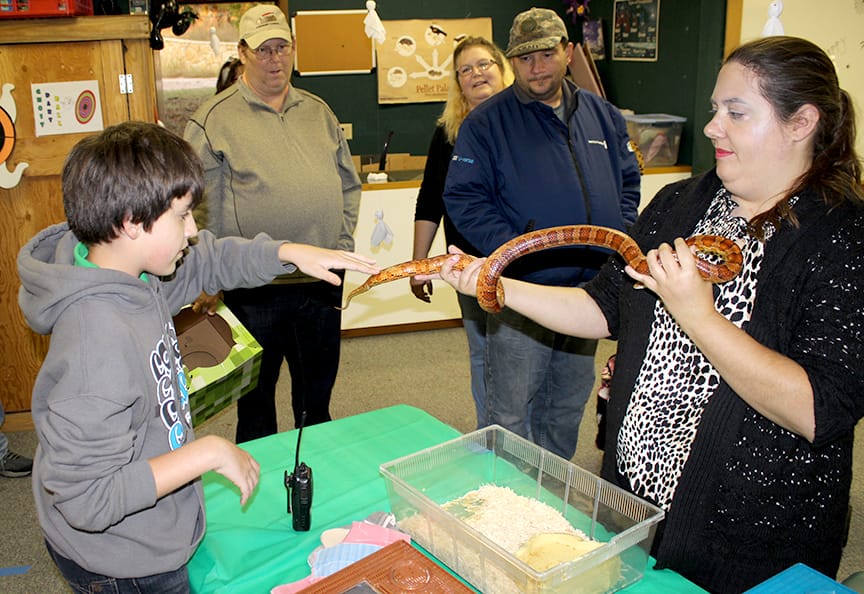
pixel 464 281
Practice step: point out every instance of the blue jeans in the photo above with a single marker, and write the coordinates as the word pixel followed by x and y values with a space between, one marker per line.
pixel 86 582
pixel 474 322
pixel 300 323
pixel 537 381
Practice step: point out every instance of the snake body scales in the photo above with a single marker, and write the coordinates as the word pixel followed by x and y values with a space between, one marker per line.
pixel 724 264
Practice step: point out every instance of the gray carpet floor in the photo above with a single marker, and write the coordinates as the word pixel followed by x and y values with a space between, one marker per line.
pixel 425 369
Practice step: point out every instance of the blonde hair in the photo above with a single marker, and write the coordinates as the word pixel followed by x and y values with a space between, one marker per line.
pixel 456 109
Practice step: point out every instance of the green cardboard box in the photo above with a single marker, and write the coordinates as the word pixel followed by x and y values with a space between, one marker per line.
pixel 221 359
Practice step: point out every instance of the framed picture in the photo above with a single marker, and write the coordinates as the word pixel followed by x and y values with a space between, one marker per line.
pixel 635 29
pixel 415 60
pixel 592 35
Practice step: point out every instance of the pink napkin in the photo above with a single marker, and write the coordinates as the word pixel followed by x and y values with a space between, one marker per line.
pixel 363 532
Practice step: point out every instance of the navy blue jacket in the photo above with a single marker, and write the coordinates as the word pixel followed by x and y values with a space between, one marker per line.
pixel 517 167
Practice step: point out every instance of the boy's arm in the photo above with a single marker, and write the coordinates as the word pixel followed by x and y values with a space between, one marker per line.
pixel 175 469
pixel 233 262
pixel 318 262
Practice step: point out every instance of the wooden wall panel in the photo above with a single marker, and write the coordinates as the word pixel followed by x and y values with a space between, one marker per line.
pixel 24 210
pixel 54 50
pixel 57 62
pixel 139 63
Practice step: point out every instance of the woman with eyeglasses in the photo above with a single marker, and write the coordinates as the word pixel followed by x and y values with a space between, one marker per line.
pixel 479 71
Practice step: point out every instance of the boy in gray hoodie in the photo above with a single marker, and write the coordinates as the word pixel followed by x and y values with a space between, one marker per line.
pixel 116 476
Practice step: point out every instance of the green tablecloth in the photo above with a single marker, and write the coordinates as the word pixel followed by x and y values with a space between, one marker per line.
pixel 254 549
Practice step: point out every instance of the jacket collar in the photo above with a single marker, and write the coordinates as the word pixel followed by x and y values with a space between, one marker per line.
pixel 292 98
pixel 569 96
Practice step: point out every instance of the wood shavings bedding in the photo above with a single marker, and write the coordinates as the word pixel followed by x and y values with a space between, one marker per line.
pixel 506 518
pixel 526 528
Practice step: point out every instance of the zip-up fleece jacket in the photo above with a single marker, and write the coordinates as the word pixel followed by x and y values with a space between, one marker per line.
pixel 286 173
pixel 111 394
pixel 517 167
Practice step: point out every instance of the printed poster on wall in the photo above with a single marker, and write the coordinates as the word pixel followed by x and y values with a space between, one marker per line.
pixel 416 59
pixel 634 33
pixel 66 107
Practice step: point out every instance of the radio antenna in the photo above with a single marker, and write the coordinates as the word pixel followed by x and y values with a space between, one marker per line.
pixel 299 436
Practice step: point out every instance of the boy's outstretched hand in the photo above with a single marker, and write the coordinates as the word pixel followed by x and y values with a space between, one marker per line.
pixel 319 262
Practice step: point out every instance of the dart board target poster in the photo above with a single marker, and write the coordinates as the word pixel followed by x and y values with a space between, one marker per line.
pixel 415 62
pixel 66 107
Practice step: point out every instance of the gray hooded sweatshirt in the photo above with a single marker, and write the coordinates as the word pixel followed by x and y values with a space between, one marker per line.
pixel 111 394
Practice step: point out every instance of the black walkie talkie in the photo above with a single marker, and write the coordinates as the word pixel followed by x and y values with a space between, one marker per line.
pixel 299 486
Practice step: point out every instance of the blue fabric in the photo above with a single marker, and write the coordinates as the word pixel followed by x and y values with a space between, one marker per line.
pixel 300 323
pixel 537 381
pixel 516 167
pixel 329 560
pixel 81 580
pixel 474 322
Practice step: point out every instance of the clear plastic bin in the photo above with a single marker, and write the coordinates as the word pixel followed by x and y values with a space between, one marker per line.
pixel 658 136
pixel 418 485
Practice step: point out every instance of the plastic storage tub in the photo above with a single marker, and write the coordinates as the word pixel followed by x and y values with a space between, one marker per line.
pixel 418 485
pixel 658 136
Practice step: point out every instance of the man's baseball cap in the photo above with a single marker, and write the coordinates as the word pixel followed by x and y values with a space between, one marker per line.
pixel 534 30
pixel 263 22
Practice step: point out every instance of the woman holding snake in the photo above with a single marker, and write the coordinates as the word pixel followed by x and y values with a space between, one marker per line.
pixel 733 406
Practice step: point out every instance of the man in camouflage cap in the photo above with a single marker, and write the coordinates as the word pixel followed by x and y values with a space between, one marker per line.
pixel 540 52
pixel 535 29
pixel 540 153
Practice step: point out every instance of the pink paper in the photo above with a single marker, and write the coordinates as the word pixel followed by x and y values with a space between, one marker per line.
pixel 363 532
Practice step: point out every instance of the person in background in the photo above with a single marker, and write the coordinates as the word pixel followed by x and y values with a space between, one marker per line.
pixel 12 465
pixel 116 475
pixel 540 153
pixel 228 74
pixel 733 406
pixel 480 70
pixel 275 161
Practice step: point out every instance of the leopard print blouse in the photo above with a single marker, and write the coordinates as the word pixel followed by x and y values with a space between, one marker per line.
pixel 676 380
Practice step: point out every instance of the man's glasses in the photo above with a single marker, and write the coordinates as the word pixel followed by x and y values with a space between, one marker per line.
pixel 263 52
pixel 481 67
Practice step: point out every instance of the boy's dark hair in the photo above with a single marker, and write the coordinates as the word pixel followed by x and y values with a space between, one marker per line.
pixel 133 171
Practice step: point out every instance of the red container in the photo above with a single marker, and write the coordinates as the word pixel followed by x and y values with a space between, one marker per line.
pixel 23 9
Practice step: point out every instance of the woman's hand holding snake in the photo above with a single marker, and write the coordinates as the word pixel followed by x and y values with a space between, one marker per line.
pixel 674 277
pixel 463 279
